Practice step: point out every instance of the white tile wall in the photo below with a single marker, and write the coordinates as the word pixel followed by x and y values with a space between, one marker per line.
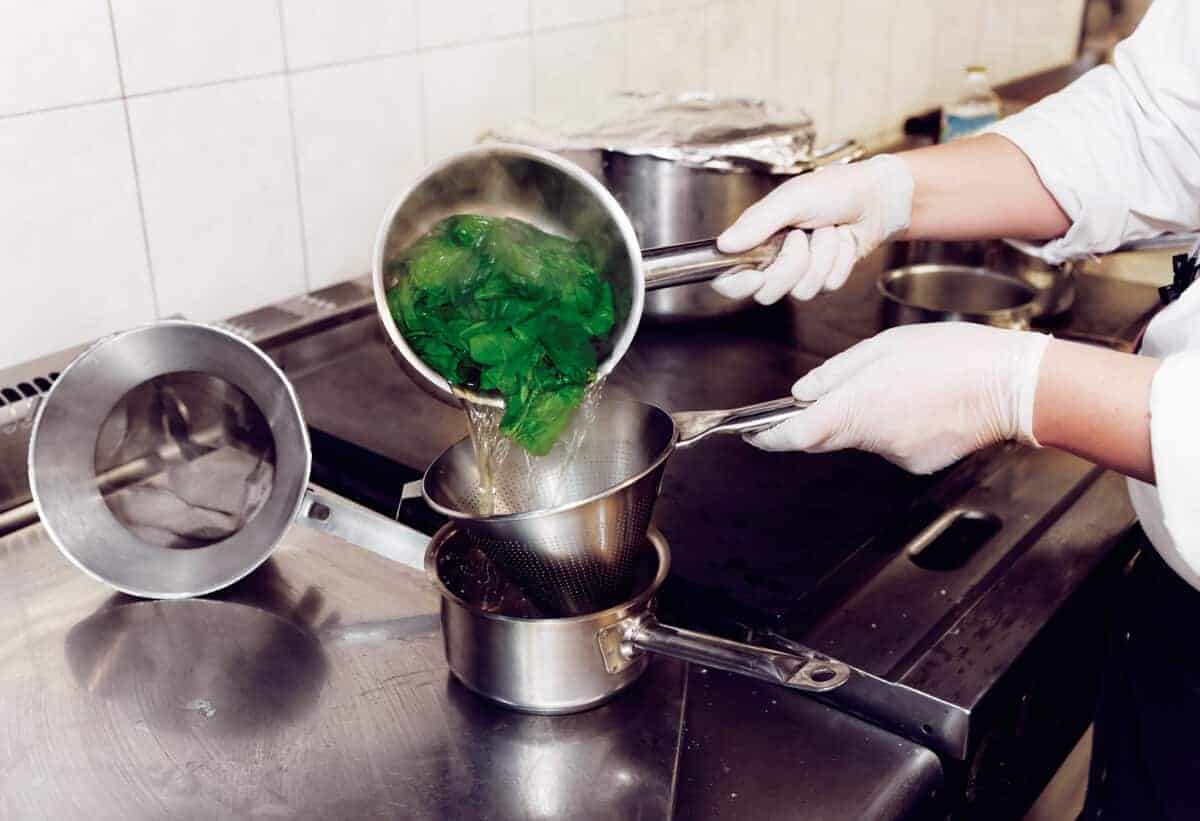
pixel 358 144
pixel 552 13
pixel 268 136
pixel 169 45
pixel 957 43
pixel 468 88
pixel 36 71
pixel 911 72
pixel 739 47
pixel 564 85
pixel 677 33
pixel 863 52
pixel 997 39
pixel 324 31
pixel 640 7
pixel 805 52
pixel 443 22
pixel 71 255
pixel 219 191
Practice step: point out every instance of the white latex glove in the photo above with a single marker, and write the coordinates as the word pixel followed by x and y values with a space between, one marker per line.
pixel 921 396
pixel 850 210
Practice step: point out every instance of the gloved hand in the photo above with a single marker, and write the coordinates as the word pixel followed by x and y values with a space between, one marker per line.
pixel 850 209
pixel 921 396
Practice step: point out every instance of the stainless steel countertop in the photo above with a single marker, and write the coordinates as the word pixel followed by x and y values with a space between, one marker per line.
pixel 317 688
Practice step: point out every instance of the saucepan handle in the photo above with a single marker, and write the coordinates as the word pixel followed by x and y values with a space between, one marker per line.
pixel 696 425
pixel 700 261
pixel 800 669
pixel 353 523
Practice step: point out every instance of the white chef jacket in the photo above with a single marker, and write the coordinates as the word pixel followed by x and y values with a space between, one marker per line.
pixel 1119 150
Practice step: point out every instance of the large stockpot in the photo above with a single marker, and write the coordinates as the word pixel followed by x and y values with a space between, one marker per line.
pixel 564 665
pixel 671 202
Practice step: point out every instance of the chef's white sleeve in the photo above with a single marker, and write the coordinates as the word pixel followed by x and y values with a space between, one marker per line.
pixel 1119 149
pixel 1170 510
pixel 1174 527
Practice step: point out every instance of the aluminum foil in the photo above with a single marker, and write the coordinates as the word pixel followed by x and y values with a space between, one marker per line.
pixel 702 130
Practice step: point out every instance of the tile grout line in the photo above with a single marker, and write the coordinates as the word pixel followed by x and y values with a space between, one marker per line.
pixel 291 111
pixel 422 104
pixel 137 176
pixel 881 121
pixel 777 56
pixel 52 109
pixel 352 61
pixel 532 112
pixel 835 66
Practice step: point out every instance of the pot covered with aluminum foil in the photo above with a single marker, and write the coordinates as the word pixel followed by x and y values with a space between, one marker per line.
pixel 683 167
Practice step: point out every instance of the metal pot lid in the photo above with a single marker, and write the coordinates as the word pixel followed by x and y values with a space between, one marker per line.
pixel 697 129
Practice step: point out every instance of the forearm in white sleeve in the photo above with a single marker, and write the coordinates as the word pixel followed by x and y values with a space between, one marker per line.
pixel 1175 441
pixel 1119 149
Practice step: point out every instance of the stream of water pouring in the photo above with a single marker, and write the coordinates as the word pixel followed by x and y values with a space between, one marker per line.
pixel 569 447
pixel 530 482
pixel 490 446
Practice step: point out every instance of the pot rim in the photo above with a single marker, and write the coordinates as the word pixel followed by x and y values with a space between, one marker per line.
pixel 460 516
pixel 621 339
pixel 1023 311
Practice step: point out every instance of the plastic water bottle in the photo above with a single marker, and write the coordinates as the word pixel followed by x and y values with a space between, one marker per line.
pixel 974 109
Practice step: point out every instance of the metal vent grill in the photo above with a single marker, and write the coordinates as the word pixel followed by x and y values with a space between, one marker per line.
pixel 20 392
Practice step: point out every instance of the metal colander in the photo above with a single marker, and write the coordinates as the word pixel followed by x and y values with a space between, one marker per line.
pixel 569 534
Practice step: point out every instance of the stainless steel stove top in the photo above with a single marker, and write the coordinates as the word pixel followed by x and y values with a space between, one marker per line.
pixel 317 688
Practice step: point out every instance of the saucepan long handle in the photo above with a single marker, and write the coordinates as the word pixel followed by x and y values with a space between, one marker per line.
pixel 800 669
pixel 353 523
pixel 696 425
pixel 700 261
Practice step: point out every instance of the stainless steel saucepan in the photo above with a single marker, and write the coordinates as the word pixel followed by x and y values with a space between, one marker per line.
pixel 569 533
pixel 565 665
pixel 169 460
pixel 557 196
pixel 938 292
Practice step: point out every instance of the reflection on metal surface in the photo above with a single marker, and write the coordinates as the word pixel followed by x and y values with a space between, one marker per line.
pixel 589 765
pixel 315 688
pixel 161 665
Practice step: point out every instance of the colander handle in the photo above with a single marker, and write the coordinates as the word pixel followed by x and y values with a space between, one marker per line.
pixel 696 425
pixel 801 669
pixel 700 261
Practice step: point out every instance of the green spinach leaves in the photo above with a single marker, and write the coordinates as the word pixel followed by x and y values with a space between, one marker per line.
pixel 496 304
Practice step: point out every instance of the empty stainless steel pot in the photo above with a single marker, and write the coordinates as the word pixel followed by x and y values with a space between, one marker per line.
pixel 565 665
pixel 136 448
pixel 1053 285
pixel 939 293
